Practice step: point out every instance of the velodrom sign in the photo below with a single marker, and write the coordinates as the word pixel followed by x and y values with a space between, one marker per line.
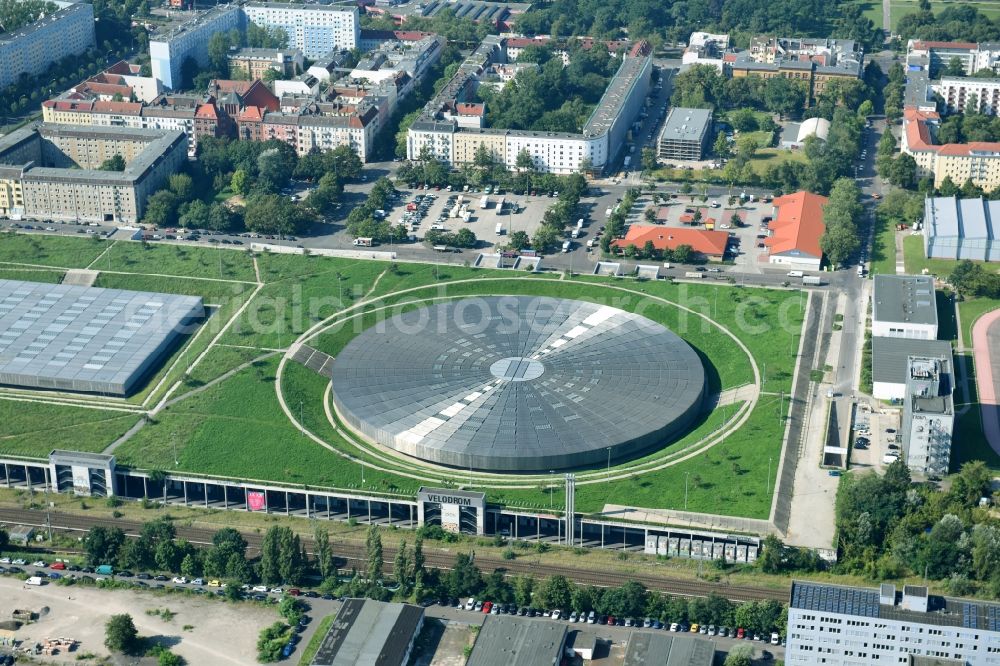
pixel 451 503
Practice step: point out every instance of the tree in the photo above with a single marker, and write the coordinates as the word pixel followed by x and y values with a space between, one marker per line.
pixel 721 146
pixel 161 208
pixel 240 182
pixel 374 554
pixel 189 566
pixel 102 543
pixel 464 578
pixel 272 214
pixel 114 163
pixel 948 187
pixel 120 634
pixel 401 567
pixel 519 240
pixel 523 587
pixel 955 67
pixel 555 592
pixel 270 554
pixel 648 159
pixel 771 556
pixel 739 655
pixel 182 185
pixel 345 162
pixel 324 555
pixel 418 561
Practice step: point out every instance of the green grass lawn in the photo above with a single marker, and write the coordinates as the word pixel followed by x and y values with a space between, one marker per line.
pixel 201 262
pixel 900 8
pixel 58 251
pixel 220 360
pixel 765 158
pixel 34 429
pixel 31 274
pixel 969 311
pixel 883 257
pixel 916 262
pixel 873 11
pixel 316 641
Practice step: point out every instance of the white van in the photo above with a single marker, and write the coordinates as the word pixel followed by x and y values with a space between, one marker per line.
pixel 575 233
pixel 565 246
pixel 797 274
pixel 34 580
pixel 363 242
pixel 500 233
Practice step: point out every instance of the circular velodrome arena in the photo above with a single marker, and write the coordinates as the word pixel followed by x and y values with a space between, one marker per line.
pixel 518 384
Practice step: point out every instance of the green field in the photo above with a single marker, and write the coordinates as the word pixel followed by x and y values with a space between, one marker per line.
pixel 916 261
pixel 34 429
pixel 969 311
pixel 58 251
pixel 236 428
pixel 883 257
pixel 199 262
pixel 900 8
pixel 31 274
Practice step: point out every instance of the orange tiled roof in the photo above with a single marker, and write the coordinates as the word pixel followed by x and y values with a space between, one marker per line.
pixel 709 243
pixel 798 224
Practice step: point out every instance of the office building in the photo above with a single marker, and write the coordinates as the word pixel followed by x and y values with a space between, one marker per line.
pixel 928 415
pixel 890 363
pixel 813 62
pixel 69 31
pixel 903 306
pixel 315 30
pixel 961 228
pixel 856 626
pixel 686 134
pixel 704 48
pixel 367 632
pixel 70 338
pixel 52 171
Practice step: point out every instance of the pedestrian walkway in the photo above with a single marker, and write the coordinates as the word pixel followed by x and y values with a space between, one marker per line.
pixel 744 393
pixel 80 277
pixel 314 359
pixel 690 519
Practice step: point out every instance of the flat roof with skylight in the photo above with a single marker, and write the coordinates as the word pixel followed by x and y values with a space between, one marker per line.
pixel 87 339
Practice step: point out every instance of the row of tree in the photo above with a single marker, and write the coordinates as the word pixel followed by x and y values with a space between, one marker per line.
pixel 969 279
pixel 956 22
pixel 841 216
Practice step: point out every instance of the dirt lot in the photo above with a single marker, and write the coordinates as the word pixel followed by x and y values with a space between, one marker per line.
pixel 222 633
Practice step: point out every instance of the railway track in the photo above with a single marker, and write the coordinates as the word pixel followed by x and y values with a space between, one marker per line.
pixel 353 552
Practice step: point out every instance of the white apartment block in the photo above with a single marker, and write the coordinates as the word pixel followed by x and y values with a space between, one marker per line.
pixel 314 29
pixel 31 49
pixel 852 626
pixel 957 94
pixel 438 128
pixel 168 52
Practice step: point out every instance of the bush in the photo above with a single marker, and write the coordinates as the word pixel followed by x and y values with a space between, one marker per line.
pixel 271 641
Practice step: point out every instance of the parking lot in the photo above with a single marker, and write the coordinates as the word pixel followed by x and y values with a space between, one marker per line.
pixel 874 436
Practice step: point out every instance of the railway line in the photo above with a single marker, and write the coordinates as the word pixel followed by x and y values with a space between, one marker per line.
pixel 353 552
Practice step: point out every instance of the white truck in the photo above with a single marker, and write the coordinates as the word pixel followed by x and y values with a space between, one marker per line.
pixel 500 233
pixel 484 203
pixel 566 246
pixel 363 242
pixel 579 223
pixel 500 203
pixel 694 275
pixel 811 279
pixel 575 233
pixel 456 211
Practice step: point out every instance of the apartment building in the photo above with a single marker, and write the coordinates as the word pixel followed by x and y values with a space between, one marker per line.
pixel 51 171
pixel 315 30
pixel 854 626
pixel 976 161
pixel 255 63
pixel 30 50
pixel 814 62
pixel 962 94
pixel 167 52
pixel 439 129
pixel 705 48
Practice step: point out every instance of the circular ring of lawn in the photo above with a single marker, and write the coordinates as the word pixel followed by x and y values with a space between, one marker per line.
pixel 392 462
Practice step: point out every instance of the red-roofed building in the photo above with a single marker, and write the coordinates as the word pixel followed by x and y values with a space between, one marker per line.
pixel 796 229
pixel 708 244
pixel 978 161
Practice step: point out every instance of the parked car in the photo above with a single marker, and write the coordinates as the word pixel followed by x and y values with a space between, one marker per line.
pixel 60 566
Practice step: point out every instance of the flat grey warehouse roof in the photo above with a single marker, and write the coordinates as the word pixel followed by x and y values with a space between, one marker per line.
pixel 370 632
pixel 904 298
pixel 509 640
pixel 686 124
pixel 518 383
pixel 85 338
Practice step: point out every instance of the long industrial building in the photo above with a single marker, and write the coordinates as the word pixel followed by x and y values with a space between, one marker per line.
pixel 451 127
pixel 87 339
pixel 961 228
pixel 316 30
pixel 855 626
pixel 31 49
pixel 52 171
